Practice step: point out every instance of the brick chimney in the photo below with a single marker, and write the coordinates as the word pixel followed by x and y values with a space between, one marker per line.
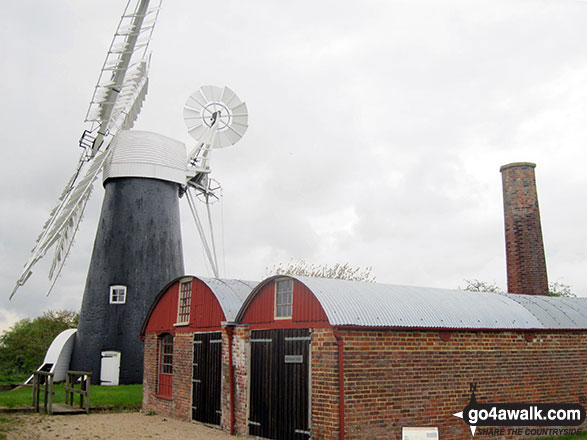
pixel 526 265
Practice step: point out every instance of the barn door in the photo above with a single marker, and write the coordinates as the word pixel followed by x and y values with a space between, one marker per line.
pixel 261 384
pixel 206 376
pixel 279 395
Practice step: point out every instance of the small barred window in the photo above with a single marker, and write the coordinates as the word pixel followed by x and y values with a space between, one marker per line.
pixel 184 302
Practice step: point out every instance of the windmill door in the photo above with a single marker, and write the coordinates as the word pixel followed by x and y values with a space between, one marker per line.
pixel 206 378
pixel 280 378
pixel 110 368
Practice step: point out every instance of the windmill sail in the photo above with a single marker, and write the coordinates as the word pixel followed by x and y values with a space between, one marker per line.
pixel 115 105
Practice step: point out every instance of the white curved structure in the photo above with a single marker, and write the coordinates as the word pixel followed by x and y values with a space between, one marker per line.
pixel 58 355
pixel 146 154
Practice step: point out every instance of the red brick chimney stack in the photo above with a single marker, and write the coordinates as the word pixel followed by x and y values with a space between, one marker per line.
pixel 526 264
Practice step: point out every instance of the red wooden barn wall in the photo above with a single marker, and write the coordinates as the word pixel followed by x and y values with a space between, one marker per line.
pixel 306 313
pixel 205 313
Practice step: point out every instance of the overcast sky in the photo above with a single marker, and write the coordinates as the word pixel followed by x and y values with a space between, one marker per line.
pixel 376 132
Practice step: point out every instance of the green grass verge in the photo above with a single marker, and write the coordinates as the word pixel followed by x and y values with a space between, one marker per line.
pixel 10 379
pixel 119 396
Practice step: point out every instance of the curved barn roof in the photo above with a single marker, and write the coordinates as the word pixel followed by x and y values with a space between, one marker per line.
pixel 384 305
pixel 230 294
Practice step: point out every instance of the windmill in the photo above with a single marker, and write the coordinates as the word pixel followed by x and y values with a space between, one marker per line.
pixel 138 247
pixel 115 105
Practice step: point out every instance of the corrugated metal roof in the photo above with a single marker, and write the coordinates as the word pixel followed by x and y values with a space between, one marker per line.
pixel 555 312
pixel 385 305
pixel 230 293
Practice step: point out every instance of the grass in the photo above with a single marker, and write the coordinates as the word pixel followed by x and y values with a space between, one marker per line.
pixel 10 379
pixel 123 396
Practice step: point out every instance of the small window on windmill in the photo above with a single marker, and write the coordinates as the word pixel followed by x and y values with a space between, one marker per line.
pixel 184 302
pixel 117 294
pixel 283 298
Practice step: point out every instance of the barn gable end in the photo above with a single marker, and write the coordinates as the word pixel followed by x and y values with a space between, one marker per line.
pixel 205 310
pixel 193 312
pixel 259 308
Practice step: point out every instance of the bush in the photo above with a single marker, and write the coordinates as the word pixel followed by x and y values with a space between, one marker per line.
pixel 23 346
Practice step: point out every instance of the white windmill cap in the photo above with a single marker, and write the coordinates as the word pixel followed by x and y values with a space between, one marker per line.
pixel 146 154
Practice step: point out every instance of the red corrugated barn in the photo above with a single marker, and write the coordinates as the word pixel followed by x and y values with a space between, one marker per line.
pixel 337 359
pixel 184 347
pixel 332 359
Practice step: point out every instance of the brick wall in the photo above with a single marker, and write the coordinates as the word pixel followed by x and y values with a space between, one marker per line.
pixel 225 397
pixel 413 378
pixel 526 264
pixel 397 378
pixel 183 358
pixel 240 365
pixel 150 374
pixel 325 395
pixel 179 406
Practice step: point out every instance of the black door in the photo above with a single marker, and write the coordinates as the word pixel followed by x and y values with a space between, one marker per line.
pixel 206 378
pixel 279 395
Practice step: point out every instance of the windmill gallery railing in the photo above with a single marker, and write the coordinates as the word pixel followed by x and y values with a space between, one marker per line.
pixel 43 382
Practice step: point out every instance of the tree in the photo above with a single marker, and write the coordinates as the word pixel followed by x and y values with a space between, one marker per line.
pixel 23 346
pixel 481 286
pixel 560 289
pixel 337 271
pixel 554 289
